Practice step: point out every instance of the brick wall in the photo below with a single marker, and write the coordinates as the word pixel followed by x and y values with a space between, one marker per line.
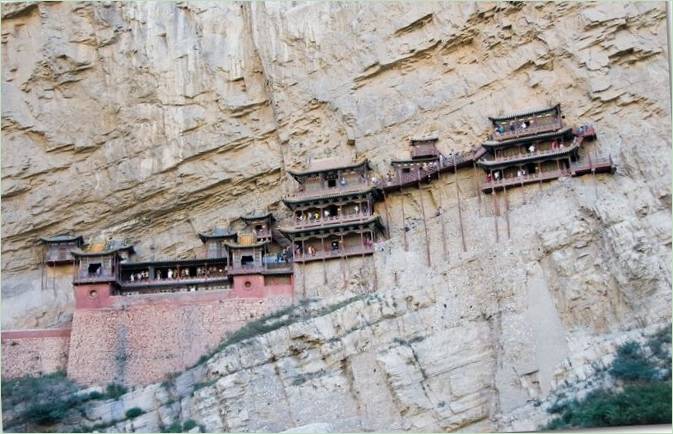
pixel 139 339
pixel 34 352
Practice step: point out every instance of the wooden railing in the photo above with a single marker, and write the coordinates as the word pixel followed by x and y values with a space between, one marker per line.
pixel 192 280
pixel 93 277
pixel 58 256
pixel 418 174
pixel 343 218
pixel 327 254
pixel 421 151
pixel 593 164
pixel 526 179
pixel 260 268
pixel 526 156
pixel 331 191
pixel 520 132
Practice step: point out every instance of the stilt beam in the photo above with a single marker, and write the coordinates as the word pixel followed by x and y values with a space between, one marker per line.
pixel 476 182
pixel 388 224
pixel 460 212
pixel 507 211
pixel 441 216
pixel 303 268
pixel 404 226
pixel 324 267
pixel 376 279
pixel 425 228
pixel 346 274
pixel 495 215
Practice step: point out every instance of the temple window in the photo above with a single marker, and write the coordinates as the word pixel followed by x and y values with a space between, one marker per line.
pixel 94 269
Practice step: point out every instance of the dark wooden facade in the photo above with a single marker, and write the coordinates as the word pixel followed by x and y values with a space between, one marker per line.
pixel 531 147
pixel 333 212
pixel 57 249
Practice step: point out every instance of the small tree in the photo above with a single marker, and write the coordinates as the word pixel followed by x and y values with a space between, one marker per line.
pixel 632 365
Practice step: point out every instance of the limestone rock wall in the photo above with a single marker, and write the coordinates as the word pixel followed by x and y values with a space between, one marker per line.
pixel 188 115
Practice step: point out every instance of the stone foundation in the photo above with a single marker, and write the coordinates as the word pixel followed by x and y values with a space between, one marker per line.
pixel 140 339
pixel 34 352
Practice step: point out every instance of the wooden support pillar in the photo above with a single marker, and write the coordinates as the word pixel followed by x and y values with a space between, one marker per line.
pixel 539 175
pixel 441 219
pixel 388 223
pixel 343 259
pixel 495 215
pixel 324 267
pixel 476 182
pixel 506 211
pixel 404 226
pixel 425 229
pixel 303 268
pixel 460 212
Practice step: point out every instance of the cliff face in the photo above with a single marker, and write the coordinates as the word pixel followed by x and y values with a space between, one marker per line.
pixel 154 121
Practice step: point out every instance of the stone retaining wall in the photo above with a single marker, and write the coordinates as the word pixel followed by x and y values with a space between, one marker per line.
pixel 34 352
pixel 140 339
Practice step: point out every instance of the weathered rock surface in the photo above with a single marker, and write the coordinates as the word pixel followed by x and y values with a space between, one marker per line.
pixel 153 121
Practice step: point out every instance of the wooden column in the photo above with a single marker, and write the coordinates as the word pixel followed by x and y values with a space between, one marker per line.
pixel 324 267
pixel 495 215
pixel 506 211
pixel 376 279
pixel 388 223
pixel 303 268
pixel 404 226
pixel 346 274
pixel 441 217
pixel 476 182
pixel 425 228
pixel 460 212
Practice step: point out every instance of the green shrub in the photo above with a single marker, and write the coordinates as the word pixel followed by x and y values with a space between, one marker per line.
pixel 640 404
pixel 96 395
pixel 189 424
pixel 174 427
pixel 632 365
pixel 48 399
pixel 645 399
pixel 115 391
pixel 133 412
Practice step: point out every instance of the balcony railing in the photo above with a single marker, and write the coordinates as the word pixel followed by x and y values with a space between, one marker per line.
pixel 417 174
pixel 424 151
pixel 328 254
pixel 532 155
pixel 331 191
pixel 192 280
pixel 526 179
pixel 58 256
pixel 593 164
pixel 528 131
pixel 93 277
pixel 323 221
pixel 261 268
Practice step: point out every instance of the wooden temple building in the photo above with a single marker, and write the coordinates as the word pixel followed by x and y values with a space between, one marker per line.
pixel 57 249
pixel 333 211
pixel 228 256
pixel 533 147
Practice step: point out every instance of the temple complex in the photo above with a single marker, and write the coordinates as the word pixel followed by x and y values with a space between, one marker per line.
pixel 242 274
pixel 532 147
pixel 333 211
